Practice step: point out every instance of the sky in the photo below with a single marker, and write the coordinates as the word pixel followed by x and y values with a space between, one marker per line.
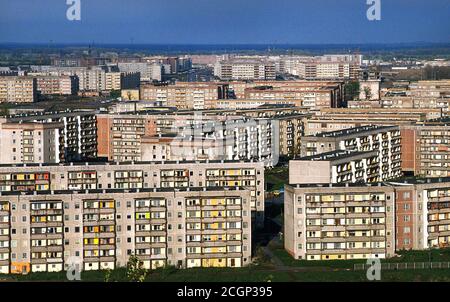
pixel 225 22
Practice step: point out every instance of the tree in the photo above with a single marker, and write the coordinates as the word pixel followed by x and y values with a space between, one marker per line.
pixel 367 93
pixel 351 90
pixel 261 256
pixel 115 94
pixel 108 274
pixel 135 269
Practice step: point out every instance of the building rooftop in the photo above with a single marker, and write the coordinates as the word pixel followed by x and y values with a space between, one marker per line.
pixel 402 181
pixel 78 164
pixel 119 191
pixel 351 131
pixel 336 155
pixel 444 121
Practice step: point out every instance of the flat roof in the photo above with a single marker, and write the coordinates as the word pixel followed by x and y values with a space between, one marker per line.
pixel 334 155
pixel 395 182
pixel 105 191
pixel 350 131
pixel 127 163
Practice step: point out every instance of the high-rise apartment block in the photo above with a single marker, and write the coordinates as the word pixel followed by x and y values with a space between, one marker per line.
pixel 57 85
pixel 352 221
pixel 148 71
pixel 100 229
pixel 29 142
pixel 385 140
pixel 426 150
pixel 167 174
pixel 48 138
pixel 95 78
pixel 339 222
pixel 311 95
pixel 337 167
pixel 119 136
pixel 17 89
pixel 185 95
pixel 245 69
pixel 327 67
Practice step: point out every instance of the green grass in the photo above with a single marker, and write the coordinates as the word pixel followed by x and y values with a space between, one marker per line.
pixel 291 262
pixel 422 256
pixel 297 271
pixel 437 255
pixel 249 274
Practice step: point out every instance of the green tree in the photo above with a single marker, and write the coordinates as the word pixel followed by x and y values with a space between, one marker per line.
pixel 115 94
pixel 367 93
pixel 135 269
pixel 108 276
pixel 261 256
pixel 351 90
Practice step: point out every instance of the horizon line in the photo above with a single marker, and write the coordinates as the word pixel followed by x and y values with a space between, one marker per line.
pixel 226 44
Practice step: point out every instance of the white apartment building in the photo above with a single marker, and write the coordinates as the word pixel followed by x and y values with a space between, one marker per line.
pixel 29 142
pixel 245 69
pixel 385 140
pixel 148 71
pixel 48 138
pixel 338 167
pixel 93 78
pixel 17 89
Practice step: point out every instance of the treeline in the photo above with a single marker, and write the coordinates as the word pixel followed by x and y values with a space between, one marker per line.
pixel 426 73
pixel 436 73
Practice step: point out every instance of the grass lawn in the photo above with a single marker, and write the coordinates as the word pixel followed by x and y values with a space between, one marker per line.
pixel 296 271
pixel 437 255
pixel 250 274
pixel 291 262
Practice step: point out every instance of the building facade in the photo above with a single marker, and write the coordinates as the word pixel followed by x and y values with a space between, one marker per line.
pixel 385 140
pixel 145 175
pixel 339 222
pixel 68 136
pixel 337 167
pixel 245 69
pixel 185 95
pixel 17 89
pixel 101 229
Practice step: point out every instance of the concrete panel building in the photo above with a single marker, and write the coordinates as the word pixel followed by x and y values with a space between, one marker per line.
pixel 354 221
pixel 17 89
pixel 185 95
pixel 100 229
pixel 337 167
pixel 144 175
pixel 57 85
pixel 427 148
pixel 385 140
pixel 245 69
pixel 332 222
pixel 72 136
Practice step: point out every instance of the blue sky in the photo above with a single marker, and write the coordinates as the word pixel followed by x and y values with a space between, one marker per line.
pixel 225 21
